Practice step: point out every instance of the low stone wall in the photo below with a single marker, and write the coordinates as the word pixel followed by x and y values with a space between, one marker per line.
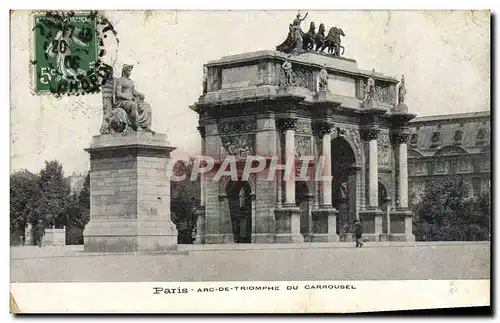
pixel 54 237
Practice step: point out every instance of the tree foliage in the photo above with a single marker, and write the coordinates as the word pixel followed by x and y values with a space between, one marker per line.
pixel 23 188
pixel 47 196
pixel 53 196
pixel 447 213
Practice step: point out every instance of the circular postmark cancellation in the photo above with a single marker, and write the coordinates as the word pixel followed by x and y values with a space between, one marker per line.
pixel 68 52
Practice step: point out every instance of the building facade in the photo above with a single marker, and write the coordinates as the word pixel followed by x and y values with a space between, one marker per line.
pixel 76 182
pixel 446 145
pixel 271 104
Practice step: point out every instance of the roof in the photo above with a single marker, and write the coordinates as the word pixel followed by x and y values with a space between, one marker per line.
pixel 442 117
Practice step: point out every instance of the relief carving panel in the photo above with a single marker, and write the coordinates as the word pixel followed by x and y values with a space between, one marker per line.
pixel 303 146
pixel 303 127
pixel 384 149
pixel 235 127
pixel 239 146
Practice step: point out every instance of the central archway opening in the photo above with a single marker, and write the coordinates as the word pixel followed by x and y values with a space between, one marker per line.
pixel 240 208
pixel 343 184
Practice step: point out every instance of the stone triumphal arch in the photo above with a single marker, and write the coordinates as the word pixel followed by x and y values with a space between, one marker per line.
pixel 271 103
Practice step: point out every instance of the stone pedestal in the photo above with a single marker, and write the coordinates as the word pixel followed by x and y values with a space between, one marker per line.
pixel 371 220
pixel 130 194
pixel 288 225
pixel 324 225
pixel 401 225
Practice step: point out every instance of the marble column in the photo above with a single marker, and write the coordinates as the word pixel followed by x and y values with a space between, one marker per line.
pixel 403 170
pixel 287 219
pixel 326 185
pixel 373 169
pixel 402 214
pixel 371 216
pixel 325 217
pixel 289 128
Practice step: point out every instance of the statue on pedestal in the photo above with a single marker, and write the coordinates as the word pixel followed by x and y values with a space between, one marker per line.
pixel 287 69
pixel 370 87
pixel 323 80
pixel 401 106
pixel 402 91
pixel 124 107
pixel 205 80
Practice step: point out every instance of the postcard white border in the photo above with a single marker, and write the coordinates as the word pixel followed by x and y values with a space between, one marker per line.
pixel 244 297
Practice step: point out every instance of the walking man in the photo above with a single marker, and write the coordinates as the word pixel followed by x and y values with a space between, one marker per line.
pixel 39 232
pixel 358 230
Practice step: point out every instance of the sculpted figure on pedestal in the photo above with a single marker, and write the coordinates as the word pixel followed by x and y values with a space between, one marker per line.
pixel 323 80
pixel 125 108
pixel 401 106
pixel 287 69
pixel 205 80
pixel 402 91
pixel 370 87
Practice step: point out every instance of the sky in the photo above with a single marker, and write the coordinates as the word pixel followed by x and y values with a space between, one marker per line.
pixel 444 55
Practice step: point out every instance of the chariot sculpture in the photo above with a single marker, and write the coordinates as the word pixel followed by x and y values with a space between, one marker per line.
pixel 297 41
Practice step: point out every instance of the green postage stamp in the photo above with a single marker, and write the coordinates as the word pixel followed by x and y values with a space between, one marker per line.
pixel 67 53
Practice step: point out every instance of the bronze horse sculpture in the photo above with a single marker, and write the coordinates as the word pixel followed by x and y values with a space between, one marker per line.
pixel 312 40
pixel 332 42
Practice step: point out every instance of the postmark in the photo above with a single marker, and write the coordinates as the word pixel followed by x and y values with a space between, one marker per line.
pixel 68 52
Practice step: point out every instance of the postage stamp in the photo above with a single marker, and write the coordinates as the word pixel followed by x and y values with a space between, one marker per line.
pixel 67 52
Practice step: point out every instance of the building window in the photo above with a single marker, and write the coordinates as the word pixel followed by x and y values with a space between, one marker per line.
pixel 485 165
pixel 464 165
pixel 480 137
pixel 440 167
pixel 476 187
pixel 453 166
pixel 457 138
pixel 414 140
pixel 435 139
pixel 485 186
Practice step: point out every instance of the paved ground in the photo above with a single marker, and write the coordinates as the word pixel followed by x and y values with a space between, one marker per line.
pixel 256 262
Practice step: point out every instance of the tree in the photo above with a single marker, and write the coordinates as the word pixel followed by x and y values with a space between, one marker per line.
pixel 447 213
pixel 23 188
pixel 184 199
pixel 53 197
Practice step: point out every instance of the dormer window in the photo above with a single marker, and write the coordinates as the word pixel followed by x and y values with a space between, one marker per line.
pixel 414 140
pixel 436 136
pixel 459 134
pixel 480 137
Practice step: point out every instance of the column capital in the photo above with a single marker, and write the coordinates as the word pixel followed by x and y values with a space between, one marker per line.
pixel 287 123
pixel 322 128
pixel 201 129
pixel 370 134
pixel 400 137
